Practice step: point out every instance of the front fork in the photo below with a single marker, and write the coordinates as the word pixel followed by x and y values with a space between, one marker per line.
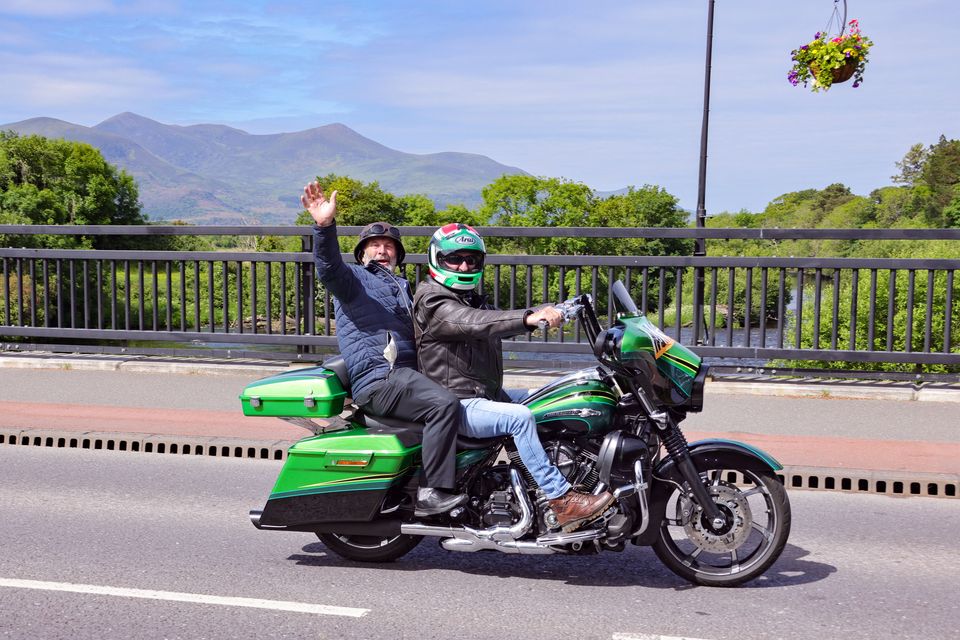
pixel 677 448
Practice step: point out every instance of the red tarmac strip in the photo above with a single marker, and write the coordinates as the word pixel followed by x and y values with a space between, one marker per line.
pixel 166 422
pixel 807 451
pixel 850 453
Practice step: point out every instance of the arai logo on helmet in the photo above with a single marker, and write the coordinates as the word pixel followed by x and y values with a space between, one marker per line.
pixel 465 240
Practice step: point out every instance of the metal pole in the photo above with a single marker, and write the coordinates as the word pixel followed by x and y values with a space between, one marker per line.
pixel 700 244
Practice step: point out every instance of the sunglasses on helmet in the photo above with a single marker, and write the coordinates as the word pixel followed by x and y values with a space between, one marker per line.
pixel 455 260
pixel 379 229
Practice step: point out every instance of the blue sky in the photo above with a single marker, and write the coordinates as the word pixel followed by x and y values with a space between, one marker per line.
pixel 603 92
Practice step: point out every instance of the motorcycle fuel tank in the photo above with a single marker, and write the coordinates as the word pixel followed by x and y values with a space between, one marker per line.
pixel 577 403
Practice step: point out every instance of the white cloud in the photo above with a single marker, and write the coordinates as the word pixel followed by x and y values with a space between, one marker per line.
pixel 55 8
pixel 44 83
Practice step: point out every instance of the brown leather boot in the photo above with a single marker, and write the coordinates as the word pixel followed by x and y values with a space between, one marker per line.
pixel 574 508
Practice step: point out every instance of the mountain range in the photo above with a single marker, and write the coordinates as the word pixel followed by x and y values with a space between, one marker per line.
pixel 215 174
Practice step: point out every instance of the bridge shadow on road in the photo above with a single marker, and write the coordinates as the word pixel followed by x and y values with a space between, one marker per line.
pixel 634 567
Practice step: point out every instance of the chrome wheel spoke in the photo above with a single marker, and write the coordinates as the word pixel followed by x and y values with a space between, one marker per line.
pixel 763 531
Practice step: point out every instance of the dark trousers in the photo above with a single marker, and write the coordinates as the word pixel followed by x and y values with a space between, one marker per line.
pixel 409 395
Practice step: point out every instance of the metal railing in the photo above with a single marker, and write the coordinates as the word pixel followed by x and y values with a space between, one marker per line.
pixel 269 305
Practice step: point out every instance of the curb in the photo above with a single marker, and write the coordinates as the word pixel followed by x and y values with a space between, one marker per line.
pixel 824 391
pixel 136 364
pixel 513 378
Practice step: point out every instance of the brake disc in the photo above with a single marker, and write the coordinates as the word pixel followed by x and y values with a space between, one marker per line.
pixel 734 507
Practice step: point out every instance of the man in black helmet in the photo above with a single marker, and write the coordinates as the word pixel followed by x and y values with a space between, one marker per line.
pixel 374 313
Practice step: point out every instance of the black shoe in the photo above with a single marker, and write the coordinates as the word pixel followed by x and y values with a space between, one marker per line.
pixel 430 502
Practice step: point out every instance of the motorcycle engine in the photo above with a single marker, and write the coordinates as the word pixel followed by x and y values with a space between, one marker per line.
pixel 578 466
pixel 500 508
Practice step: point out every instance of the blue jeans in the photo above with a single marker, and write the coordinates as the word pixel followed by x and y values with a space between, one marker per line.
pixel 485 419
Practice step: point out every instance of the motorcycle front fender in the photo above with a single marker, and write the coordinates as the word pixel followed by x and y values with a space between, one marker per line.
pixel 706 454
pixel 715 450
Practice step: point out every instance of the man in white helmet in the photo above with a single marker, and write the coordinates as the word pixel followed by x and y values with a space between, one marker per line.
pixel 459 346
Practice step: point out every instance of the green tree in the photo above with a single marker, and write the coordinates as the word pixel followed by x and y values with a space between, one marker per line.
pixel 832 197
pixel 648 206
pixel 940 174
pixel 529 201
pixel 45 181
pixel 359 203
pixel 911 167
pixel 892 205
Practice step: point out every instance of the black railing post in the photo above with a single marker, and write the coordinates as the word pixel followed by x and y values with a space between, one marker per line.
pixel 700 244
pixel 307 291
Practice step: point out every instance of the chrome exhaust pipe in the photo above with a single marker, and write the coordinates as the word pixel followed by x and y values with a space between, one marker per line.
pixel 642 487
pixel 502 538
pixel 544 545
pixel 568 538
pixel 468 538
pixel 255 517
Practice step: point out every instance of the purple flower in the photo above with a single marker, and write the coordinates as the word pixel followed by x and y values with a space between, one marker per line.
pixel 792 77
pixel 856 84
pixel 817 37
pixel 804 48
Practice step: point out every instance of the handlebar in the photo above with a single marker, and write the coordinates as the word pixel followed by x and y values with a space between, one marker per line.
pixel 569 309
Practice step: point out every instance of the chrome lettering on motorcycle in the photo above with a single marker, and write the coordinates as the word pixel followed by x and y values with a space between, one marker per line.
pixel 580 413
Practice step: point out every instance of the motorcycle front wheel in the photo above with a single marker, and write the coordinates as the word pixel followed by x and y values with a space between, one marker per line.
pixel 757 513
pixel 369 548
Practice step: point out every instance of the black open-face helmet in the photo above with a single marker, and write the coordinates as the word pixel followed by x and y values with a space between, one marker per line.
pixel 379 230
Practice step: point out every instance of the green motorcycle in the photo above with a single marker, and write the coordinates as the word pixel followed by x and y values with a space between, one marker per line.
pixel 714 511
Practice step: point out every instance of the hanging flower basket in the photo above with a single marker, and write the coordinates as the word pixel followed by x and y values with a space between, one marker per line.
pixel 840 74
pixel 825 61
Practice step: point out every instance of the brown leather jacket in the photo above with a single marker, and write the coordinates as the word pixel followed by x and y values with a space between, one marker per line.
pixel 459 340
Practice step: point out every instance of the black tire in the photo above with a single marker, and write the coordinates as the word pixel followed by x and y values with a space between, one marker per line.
pixel 758 515
pixel 369 548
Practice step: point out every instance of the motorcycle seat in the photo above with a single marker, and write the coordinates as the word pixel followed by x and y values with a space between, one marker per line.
pixel 381 424
pixel 339 366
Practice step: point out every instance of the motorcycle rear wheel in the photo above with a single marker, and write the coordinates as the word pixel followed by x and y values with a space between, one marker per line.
pixel 369 548
pixel 758 516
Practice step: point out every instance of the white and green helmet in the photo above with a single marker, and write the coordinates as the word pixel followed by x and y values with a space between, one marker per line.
pixel 453 238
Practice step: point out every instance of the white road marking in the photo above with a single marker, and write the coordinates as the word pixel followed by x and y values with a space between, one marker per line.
pixel 648 636
pixel 197 598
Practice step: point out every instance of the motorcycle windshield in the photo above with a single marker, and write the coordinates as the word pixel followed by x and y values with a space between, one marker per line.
pixel 642 339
